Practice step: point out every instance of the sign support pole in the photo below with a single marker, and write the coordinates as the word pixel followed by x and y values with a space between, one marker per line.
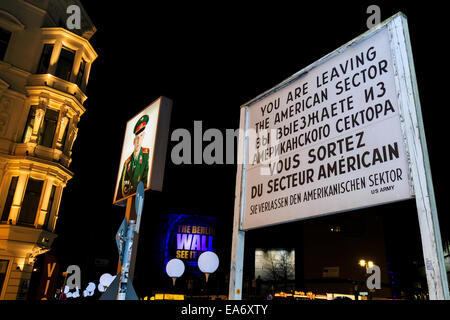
pixel 413 127
pixel 124 273
pixel 128 216
pixel 238 241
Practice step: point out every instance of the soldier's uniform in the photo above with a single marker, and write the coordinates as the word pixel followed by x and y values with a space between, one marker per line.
pixel 135 169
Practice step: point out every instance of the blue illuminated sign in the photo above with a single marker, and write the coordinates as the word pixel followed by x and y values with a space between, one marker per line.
pixel 187 237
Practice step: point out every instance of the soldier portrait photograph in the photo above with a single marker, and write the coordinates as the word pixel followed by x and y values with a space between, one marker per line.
pixel 137 153
pixel 135 168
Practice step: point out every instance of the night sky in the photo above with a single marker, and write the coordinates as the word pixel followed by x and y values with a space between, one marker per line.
pixel 210 59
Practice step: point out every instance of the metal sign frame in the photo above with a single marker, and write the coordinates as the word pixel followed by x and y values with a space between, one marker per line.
pixel 416 146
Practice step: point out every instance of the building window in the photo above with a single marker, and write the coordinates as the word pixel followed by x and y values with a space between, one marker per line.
pixel 65 64
pixel 44 62
pixel 9 198
pixel 80 74
pixel 63 140
pixel 3 270
pixel 5 36
pixel 46 134
pixel 48 129
pixel 49 208
pixel 30 202
pixel 29 125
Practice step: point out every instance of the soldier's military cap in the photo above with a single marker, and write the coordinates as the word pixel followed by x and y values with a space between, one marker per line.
pixel 141 124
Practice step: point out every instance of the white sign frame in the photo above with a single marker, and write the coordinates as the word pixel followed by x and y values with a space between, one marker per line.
pixel 416 147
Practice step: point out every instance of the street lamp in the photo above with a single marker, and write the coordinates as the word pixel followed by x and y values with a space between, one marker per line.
pixel 366 264
pixel 369 264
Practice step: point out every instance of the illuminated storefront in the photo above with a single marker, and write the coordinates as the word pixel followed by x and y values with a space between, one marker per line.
pixel 301 295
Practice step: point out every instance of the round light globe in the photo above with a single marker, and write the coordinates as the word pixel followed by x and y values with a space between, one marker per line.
pixel 208 262
pixel 105 281
pixel 175 268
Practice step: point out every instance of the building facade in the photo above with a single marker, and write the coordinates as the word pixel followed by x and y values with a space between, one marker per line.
pixel 44 70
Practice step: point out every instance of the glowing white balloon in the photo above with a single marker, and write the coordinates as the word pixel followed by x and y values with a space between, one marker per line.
pixel 105 281
pixel 175 269
pixel 208 262
pixel 89 291
pixel 67 292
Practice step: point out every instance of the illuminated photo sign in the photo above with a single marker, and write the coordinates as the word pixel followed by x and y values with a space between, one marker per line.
pixel 144 150
pixel 192 240
pixel 187 237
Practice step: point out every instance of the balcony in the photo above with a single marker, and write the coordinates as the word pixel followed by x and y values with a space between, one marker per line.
pixel 50 82
pixel 22 240
pixel 34 150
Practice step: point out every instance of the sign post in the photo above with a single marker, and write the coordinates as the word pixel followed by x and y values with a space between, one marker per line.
pixel 141 168
pixel 238 241
pixel 342 134
pixel 123 284
pixel 410 108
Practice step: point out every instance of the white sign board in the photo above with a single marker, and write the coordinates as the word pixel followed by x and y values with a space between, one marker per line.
pixel 328 141
pixel 333 137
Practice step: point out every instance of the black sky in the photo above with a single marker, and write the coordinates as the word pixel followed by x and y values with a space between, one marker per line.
pixel 209 59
